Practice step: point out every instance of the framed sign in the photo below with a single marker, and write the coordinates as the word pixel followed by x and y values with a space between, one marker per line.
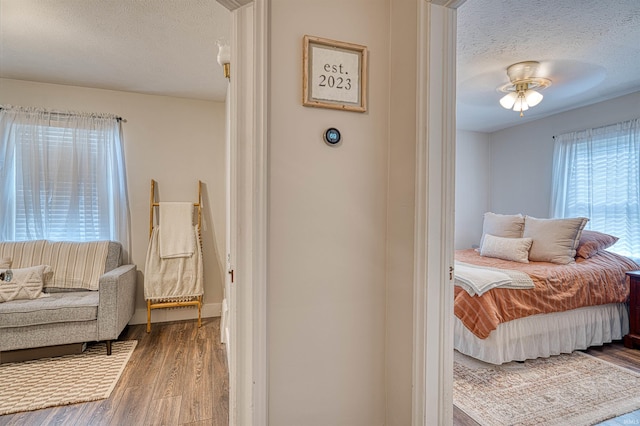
pixel 334 74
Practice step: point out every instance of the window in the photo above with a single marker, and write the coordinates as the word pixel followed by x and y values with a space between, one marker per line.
pixel 596 174
pixel 63 177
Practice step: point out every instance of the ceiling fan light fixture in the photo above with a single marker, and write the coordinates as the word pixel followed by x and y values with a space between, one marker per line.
pixel 224 57
pixel 522 91
pixel 533 98
pixel 508 100
pixel 520 105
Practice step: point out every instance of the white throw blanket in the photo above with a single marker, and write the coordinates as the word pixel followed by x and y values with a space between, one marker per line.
pixel 75 264
pixel 178 278
pixel 176 230
pixel 477 280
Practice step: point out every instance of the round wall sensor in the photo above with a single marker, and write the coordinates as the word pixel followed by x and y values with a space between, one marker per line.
pixel 332 136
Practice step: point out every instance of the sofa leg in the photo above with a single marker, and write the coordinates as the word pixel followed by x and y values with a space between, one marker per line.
pixel 108 347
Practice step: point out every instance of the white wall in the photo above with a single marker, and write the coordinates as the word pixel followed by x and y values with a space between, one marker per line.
pixel 509 171
pixel 172 140
pixel 327 226
pixel 522 156
pixel 473 186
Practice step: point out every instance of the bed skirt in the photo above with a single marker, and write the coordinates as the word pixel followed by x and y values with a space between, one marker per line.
pixel 546 334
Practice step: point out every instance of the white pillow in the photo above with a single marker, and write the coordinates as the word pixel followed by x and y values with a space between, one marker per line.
pixel 515 249
pixel 502 225
pixel 554 240
pixel 25 283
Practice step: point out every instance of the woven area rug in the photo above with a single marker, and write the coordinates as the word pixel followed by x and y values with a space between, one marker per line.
pixel 573 389
pixel 49 382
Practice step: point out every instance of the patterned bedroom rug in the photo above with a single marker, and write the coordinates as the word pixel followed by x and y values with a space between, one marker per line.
pixel 48 382
pixel 570 389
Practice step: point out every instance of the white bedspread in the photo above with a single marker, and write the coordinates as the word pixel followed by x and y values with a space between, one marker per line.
pixel 477 280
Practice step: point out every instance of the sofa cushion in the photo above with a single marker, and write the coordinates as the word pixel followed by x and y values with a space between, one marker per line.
pixel 56 308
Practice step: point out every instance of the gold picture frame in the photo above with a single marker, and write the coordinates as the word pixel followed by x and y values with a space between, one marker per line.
pixel 334 74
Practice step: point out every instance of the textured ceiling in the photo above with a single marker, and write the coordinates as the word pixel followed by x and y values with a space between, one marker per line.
pixel 590 49
pixel 165 47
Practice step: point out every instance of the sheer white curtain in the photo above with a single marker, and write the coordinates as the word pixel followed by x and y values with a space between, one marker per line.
pixel 596 174
pixel 62 177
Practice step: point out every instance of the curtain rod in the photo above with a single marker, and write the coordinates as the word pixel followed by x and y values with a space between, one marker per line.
pixel 624 122
pixel 68 113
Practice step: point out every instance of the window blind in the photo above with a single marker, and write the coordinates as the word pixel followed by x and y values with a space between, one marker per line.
pixel 63 177
pixel 597 175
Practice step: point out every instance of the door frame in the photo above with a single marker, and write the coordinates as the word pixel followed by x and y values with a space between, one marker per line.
pixel 248 367
pixel 432 390
pixel 248 162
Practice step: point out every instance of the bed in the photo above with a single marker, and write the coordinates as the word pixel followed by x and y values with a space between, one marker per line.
pixel 570 306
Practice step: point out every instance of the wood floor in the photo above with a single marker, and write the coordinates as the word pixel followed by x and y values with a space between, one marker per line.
pixel 615 353
pixel 177 375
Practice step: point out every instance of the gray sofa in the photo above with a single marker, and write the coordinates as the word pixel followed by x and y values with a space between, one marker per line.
pixel 68 315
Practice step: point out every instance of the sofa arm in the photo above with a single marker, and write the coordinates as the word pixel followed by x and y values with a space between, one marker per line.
pixel 117 294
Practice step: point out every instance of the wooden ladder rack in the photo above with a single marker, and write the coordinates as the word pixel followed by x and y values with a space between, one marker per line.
pixel 174 304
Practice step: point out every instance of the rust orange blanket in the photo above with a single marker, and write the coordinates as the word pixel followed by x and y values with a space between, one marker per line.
pixel 598 280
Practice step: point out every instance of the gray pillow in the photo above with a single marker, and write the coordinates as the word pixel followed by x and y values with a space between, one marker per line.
pixel 554 240
pixel 502 225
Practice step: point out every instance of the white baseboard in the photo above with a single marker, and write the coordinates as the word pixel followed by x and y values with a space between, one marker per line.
pixel 176 314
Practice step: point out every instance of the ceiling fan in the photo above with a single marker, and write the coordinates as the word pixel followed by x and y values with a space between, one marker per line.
pixel 523 90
